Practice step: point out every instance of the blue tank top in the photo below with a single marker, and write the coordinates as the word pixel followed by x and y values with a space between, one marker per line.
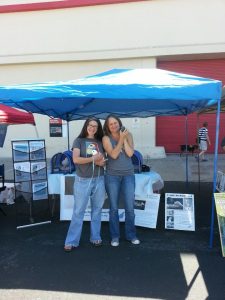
pixel 121 166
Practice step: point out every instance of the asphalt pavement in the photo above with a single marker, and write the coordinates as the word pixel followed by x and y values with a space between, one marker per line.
pixel 167 265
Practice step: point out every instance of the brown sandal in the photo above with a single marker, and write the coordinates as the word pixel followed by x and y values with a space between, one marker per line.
pixel 69 248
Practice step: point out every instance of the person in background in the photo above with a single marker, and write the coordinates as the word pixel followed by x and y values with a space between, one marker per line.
pixel 89 183
pixel 203 138
pixel 118 144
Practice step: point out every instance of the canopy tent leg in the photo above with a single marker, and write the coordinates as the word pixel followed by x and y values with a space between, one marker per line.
pixel 198 161
pixel 68 135
pixel 214 174
pixel 186 143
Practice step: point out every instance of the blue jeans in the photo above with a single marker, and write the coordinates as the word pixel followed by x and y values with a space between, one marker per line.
pixel 85 188
pixel 126 185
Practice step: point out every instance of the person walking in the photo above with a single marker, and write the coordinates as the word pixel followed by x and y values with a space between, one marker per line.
pixel 204 140
pixel 118 144
pixel 89 183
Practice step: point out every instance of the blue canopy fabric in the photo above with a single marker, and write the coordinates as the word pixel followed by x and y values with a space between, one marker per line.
pixel 124 92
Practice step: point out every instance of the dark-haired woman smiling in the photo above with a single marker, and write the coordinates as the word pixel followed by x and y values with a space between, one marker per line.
pixel 89 183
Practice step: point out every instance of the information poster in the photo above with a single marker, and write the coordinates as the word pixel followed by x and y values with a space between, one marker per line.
pixel 38 170
pixel 22 171
pixel 179 211
pixel 220 210
pixel 40 190
pixel 20 151
pixel 146 211
pixel 37 150
pixel 55 127
pixel 220 181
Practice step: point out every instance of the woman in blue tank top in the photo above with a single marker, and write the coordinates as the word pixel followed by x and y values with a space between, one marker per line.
pixel 118 144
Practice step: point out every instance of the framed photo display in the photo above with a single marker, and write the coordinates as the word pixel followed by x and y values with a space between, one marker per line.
pixel 31 184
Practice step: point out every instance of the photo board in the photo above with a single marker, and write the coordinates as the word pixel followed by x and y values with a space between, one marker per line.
pixel 30 180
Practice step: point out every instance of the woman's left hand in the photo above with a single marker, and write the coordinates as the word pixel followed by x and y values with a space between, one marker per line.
pixel 100 163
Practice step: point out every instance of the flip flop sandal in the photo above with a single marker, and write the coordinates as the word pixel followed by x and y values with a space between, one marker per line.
pixel 69 248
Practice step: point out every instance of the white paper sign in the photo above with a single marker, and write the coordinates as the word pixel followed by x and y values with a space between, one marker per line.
pixel 220 181
pixel 146 211
pixel 179 211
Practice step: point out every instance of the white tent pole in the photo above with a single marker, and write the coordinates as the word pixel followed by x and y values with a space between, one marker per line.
pixel 215 173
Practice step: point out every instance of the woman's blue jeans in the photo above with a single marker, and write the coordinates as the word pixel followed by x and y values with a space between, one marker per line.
pixel 85 188
pixel 124 185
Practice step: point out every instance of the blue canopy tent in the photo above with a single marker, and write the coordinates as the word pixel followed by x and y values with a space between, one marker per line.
pixel 124 92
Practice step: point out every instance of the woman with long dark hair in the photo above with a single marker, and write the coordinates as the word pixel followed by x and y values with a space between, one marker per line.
pixel 89 183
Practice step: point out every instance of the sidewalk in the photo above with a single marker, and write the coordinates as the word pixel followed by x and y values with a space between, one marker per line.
pixel 171 168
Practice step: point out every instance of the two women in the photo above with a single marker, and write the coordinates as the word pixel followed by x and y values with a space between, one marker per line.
pixel 89 181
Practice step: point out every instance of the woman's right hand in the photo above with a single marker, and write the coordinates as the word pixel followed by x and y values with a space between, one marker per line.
pixel 124 134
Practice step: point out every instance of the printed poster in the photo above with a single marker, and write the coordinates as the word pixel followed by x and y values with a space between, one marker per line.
pixel 38 170
pixel 179 211
pixel 220 210
pixel 40 190
pixel 55 127
pixel 22 171
pixel 220 181
pixel 146 211
pixel 37 150
pixel 20 151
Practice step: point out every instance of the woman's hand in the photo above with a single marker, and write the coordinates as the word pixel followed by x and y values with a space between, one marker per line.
pixel 99 159
pixel 124 134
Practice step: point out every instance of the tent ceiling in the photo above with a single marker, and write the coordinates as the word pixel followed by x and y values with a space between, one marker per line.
pixel 213 109
pixel 125 92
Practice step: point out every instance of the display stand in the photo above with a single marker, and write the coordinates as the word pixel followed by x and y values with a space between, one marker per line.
pixel 31 185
